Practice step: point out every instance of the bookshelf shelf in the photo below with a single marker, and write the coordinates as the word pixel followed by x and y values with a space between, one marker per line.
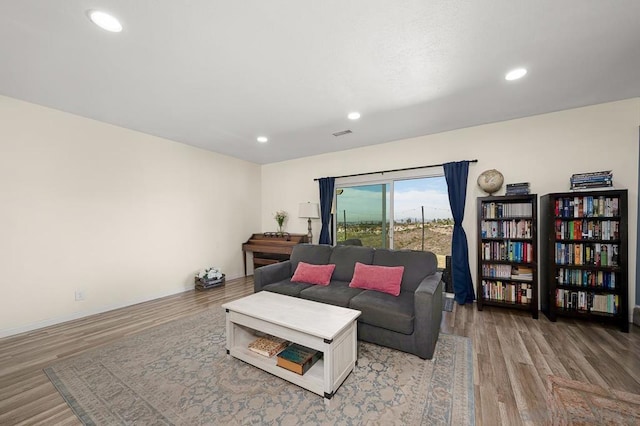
pixel 506 279
pixel 507 252
pixel 584 248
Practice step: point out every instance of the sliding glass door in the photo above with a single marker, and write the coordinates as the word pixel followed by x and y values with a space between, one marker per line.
pixel 422 218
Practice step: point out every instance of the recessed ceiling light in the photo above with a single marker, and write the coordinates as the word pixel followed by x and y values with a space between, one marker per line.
pixel 105 21
pixel 353 115
pixel 515 74
pixel 262 139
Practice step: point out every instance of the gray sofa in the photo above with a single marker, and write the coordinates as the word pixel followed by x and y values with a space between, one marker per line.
pixel 409 322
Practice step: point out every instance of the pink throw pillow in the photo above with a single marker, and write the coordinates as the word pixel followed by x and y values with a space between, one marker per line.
pixel 380 278
pixel 313 274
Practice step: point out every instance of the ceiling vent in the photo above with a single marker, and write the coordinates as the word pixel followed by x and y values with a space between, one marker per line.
pixel 342 133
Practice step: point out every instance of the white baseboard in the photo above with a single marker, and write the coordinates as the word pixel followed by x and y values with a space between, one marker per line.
pixel 635 316
pixel 82 314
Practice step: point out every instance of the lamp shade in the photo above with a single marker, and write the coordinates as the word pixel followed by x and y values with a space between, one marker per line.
pixel 309 210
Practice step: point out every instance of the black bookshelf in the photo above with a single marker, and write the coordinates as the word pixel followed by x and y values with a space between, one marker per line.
pixel 584 251
pixel 507 252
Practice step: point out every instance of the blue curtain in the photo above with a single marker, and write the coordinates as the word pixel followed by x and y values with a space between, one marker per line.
pixel 456 174
pixel 326 199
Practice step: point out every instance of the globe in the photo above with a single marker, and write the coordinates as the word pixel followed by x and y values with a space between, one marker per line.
pixel 490 181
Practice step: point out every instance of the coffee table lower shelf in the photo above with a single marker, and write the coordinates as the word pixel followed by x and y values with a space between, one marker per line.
pixel 323 378
pixel 312 380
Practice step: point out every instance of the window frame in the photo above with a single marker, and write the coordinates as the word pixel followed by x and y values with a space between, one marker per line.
pixel 389 179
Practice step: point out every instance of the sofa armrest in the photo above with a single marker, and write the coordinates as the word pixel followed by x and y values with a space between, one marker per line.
pixel 428 314
pixel 270 274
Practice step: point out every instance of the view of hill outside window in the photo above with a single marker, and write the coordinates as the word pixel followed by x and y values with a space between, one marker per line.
pixel 422 218
pixel 362 212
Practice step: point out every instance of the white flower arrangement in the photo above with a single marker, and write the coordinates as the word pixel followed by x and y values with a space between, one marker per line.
pixel 211 273
pixel 280 217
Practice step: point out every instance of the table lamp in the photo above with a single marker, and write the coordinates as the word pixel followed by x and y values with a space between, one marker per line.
pixel 309 211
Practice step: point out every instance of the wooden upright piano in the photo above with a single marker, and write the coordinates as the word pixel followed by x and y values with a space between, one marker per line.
pixel 270 247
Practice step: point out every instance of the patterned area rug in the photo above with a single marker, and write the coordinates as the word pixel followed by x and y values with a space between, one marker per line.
pixel 577 403
pixel 179 373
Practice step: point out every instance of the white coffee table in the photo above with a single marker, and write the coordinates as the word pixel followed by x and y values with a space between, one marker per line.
pixel 326 328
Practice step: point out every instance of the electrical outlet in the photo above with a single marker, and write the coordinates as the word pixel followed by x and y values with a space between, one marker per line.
pixel 79 295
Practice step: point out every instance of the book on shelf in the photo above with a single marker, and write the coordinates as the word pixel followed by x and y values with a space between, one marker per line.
pixel 517 192
pixel 298 358
pixel 587 181
pixel 579 300
pixel 268 345
pixel 522 273
pixel 596 254
pixel 500 291
pixel 592 186
pixel 582 177
pixel 521 188
pixel 589 174
pixel 592 180
pixel 587 206
pixel 587 278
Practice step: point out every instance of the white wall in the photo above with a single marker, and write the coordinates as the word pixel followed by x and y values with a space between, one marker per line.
pixel 120 215
pixel 127 217
pixel 544 150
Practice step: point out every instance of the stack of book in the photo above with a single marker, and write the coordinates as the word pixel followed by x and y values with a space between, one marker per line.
pixel 591 180
pixel 524 273
pixel 298 358
pixel 268 345
pixel 518 188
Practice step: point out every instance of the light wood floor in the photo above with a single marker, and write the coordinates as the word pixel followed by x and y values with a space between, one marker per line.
pixel 513 355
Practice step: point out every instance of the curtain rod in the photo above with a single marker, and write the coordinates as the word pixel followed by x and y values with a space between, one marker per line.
pixel 393 170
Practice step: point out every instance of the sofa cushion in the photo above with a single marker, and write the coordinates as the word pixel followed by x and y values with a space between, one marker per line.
pixel 336 293
pixel 313 274
pixel 384 310
pixel 417 265
pixel 379 278
pixel 287 288
pixel 345 258
pixel 309 253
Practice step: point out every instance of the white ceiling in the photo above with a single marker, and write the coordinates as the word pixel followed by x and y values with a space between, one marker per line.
pixel 217 74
